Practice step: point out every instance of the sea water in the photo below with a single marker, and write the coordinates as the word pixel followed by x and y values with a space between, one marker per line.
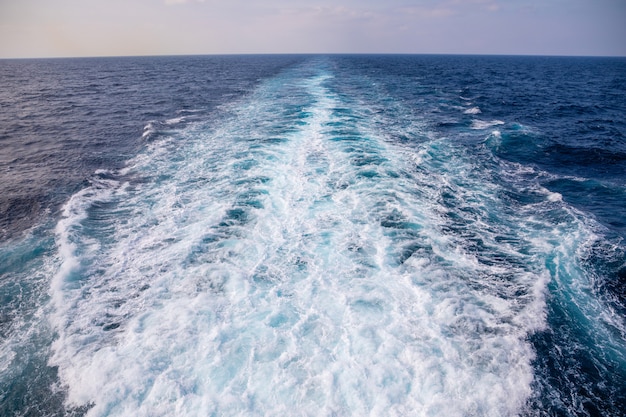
pixel 313 235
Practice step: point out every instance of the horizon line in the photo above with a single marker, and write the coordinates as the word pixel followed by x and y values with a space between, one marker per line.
pixel 315 54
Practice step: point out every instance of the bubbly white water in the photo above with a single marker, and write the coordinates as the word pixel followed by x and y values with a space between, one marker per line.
pixel 483 124
pixel 472 110
pixel 287 259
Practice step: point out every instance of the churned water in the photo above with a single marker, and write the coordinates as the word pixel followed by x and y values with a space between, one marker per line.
pixel 313 236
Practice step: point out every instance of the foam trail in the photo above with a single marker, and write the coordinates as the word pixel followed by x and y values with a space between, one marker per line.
pixel 291 260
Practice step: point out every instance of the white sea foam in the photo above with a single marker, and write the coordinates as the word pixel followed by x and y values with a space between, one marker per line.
pixel 175 120
pixel 265 271
pixel 483 124
pixel 473 110
pixel 74 212
pixel 555 197
pixel 148 130
pixel 7 354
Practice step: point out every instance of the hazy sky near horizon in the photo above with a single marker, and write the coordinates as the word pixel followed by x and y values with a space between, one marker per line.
pixel 58 28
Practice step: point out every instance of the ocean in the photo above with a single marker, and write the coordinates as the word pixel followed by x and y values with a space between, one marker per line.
pixel 304 235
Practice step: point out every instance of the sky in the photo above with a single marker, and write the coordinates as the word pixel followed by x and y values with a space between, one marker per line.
pixel 64 28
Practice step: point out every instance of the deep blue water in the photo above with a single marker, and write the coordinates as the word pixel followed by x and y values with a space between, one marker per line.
pixel 313 235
